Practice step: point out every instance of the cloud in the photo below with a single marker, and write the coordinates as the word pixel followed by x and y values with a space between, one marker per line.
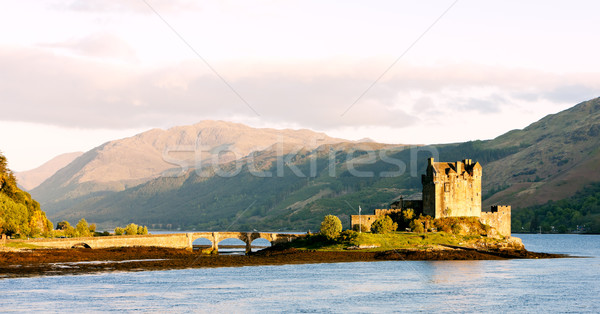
pixel 37 85
pixel 573 93
pixel 99 45
pixel 98 6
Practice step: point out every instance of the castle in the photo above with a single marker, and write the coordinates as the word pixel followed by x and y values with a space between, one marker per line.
pixel 450 189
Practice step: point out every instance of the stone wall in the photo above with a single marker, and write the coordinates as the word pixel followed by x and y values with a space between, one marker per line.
pixel 368 220
pixel 175 240
pixel 452 189
pixel 365 220
pixel 499 218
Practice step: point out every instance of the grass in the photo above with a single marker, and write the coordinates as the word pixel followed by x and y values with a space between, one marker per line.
pixel 21 245
pixel 383 242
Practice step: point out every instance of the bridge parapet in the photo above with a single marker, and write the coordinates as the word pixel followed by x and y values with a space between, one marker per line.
pixel 173 240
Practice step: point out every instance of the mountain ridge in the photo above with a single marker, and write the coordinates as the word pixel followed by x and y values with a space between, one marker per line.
pixel 552 158
pixel 30 179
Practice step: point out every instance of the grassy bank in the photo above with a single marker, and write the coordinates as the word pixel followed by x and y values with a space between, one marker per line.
pixel 349 240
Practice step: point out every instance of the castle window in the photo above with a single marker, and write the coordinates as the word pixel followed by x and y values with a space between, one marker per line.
pixel 446 187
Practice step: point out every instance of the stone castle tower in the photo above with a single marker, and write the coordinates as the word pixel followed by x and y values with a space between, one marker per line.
pixel 452 189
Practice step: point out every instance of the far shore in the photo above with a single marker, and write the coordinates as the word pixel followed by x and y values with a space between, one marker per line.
pixel 49 262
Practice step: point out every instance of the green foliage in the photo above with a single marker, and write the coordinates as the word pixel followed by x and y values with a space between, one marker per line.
pixel 92 228
pixel 131 229
pixel 360 228
pixel 62 225
pixel 384 225
pixel 579 213
pixel 403 218
pixel 142 230
pixel 82 228
pixel 331 226
pixel 19 213
pixel 455 225
pixel 417 226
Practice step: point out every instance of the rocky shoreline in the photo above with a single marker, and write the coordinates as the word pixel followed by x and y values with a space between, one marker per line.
pixel 48 262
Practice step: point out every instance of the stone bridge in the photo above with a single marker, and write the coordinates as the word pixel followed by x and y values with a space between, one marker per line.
pixel 173 240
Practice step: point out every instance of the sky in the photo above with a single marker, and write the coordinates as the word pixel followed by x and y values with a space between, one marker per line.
pixel 75 74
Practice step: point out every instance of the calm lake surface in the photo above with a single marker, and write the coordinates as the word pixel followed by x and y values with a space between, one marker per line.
pixel 522 286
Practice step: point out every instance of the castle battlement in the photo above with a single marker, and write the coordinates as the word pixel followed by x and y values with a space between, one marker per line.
pixel 450 189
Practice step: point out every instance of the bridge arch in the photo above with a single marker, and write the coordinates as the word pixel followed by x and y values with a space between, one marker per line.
pixel 232 244
pixel 81 245
pixel 261 243
pixel 203 244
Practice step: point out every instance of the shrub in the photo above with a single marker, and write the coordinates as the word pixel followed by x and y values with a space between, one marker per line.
pixel 131 229
pixel 384 225
pixel 417 226
pixel 142 230
pixel 348 236
pixel 456 228
pixel 361 228
pixel 119 231
pixel 331 226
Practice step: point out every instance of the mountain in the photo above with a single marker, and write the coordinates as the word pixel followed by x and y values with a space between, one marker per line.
pixel 284 186
pixel 125 163
pixel 30 179
pixel 556 157
pixel 19 213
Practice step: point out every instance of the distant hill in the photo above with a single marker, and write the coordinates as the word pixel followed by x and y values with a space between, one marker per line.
pixel 125 163
pixel 553 158
pixel 19 213
pixel 30 179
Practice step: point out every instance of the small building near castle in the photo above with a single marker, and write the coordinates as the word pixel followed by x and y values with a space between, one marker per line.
pixel 450 189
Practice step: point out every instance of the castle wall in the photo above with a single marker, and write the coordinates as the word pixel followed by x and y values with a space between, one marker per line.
pixel 452 189
pixel 499 218
pixel 365 220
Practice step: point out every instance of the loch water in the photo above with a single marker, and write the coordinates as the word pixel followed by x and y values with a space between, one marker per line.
pixel 565 285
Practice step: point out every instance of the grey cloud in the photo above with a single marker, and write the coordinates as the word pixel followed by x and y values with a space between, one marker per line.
pixel 38 86
pixel 486 105
pixel 51 89
pixel 572 93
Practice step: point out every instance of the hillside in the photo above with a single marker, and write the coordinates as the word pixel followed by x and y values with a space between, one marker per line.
pixel 557 156
pixel 125 163
pixel 19 213
pixel 553 158
pixel 30 179
pixel 578 213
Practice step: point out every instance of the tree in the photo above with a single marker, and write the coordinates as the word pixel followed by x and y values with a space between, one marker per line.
pixel 19 213
pixel 331 226
pixel 142 230
pixel 131 229
pixel 384 225
pixel 92 228
pixel 82 228
pixel 63 225
pixel 119 231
